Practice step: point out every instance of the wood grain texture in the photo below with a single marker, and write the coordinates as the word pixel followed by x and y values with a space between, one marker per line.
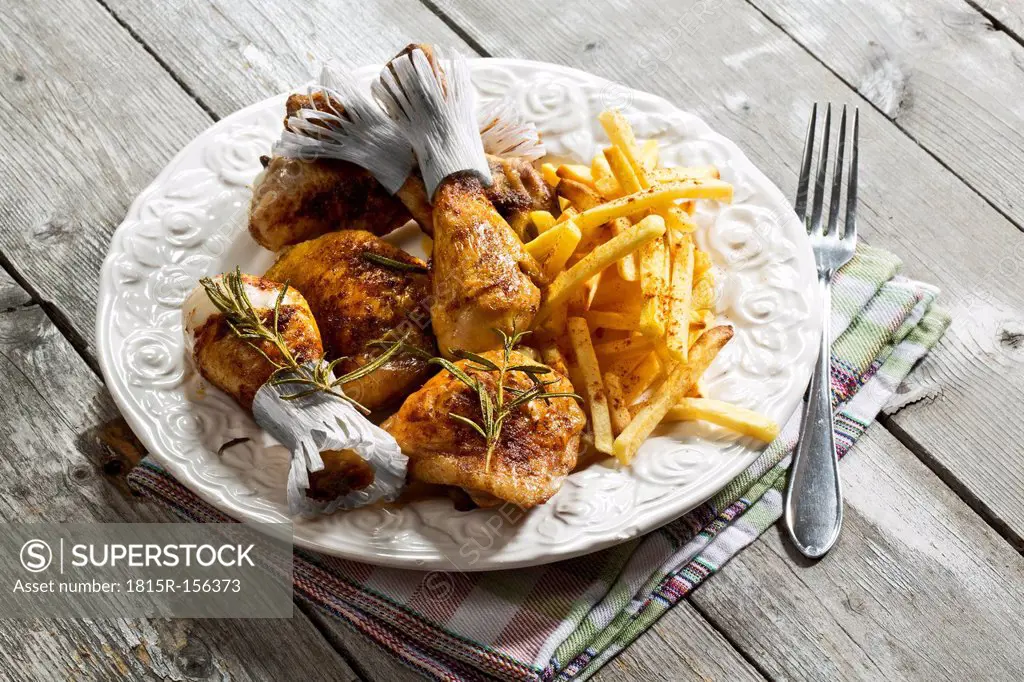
pixel 232 53
pixel 88 120
pixel 918 587
pixel 1008 14
pixel 936 68
pixel 261 51
pixel 680 646
pixel 50 471
pixel 731 66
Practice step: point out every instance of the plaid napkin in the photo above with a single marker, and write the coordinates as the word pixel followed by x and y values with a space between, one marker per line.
pixel 564 621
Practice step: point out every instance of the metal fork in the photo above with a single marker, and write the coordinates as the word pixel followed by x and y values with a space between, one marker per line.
pixel 814 499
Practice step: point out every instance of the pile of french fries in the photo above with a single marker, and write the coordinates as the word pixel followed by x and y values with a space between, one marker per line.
pixel 629 311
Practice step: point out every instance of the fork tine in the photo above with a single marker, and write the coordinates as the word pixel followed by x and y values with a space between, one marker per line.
pixel 837 177
pixel 819 182
pixel 851 190
pixel 805 167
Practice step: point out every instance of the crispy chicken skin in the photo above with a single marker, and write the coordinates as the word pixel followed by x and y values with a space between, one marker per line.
pixel 537 449
pixel 238 369
pixel 483 278
pixel 295 200
pixel 519 188
pixel 358 301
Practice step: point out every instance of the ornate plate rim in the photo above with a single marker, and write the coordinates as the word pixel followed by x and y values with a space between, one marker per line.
pixel 305 534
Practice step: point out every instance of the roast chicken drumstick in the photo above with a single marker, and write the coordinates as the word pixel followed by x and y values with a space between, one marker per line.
pixel 482 278
pixel 342 164
pixel 359 299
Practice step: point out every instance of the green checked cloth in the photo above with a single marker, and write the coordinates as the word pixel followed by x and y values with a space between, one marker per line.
pixel 564 621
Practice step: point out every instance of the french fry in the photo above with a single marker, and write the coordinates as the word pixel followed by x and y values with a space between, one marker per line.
pixel 555 324
pixel 684 173
pixel 618 410
pixel 577 173
pixel 679 381
pixel 678 221
pixel 634 345
pixel 652 198
pixel 599 167
pixel 619 246
pixel 726 415
pixel 654 286
pixel 600 319
pixel 703 291
pixel 627 266
pixel 554 359
pixel 588 291
pixel 542 220
pixel 608 188
pixel 642 377
pixel 593 384
pixel 580 195
pixel 567 214
pixel 677 326
pixel 623 172
pixel 552 248
pixel 550 174
pixel 701 264
pixel 617 294
pixel 563 203
pixel 649 155
pixel 621 134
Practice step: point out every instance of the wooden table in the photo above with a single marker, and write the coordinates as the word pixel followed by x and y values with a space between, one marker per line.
pixel 926 582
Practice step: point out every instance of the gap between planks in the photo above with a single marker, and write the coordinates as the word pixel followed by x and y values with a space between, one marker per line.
pixel 159 60
pixel 1002 528
pixel 933 463
pixel 996 22
pixel 920 450
pixel 910 136
pixel 441 15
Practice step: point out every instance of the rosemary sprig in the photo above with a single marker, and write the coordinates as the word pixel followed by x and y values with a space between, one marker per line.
pixel 386 262
pixel 496 404
pixel 230 298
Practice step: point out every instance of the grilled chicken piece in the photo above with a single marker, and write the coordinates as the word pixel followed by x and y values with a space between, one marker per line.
pixel 303 197
pixel 483 278
pixel 230 363
pixel 316 184
pixel 234 366
pixel 358 301
pixel 296 200
pixel 517 189
pixel 537 448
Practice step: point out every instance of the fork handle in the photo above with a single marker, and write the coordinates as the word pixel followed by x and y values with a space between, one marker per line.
pixel 814 499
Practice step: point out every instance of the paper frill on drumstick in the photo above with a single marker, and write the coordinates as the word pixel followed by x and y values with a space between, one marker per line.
pixel 432 101
pixel 314 423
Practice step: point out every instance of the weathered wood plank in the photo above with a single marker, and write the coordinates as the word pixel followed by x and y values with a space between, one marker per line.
pixel 88 120
pixel 50 471
pixel 231 54
pixel 730 65
pixel 941 72
pixel 681 646
pixel 936 68
pixel 1008 14
pixel 918 587
pixel 290 48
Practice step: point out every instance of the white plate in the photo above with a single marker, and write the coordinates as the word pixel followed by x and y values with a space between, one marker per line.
pixel 191 222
